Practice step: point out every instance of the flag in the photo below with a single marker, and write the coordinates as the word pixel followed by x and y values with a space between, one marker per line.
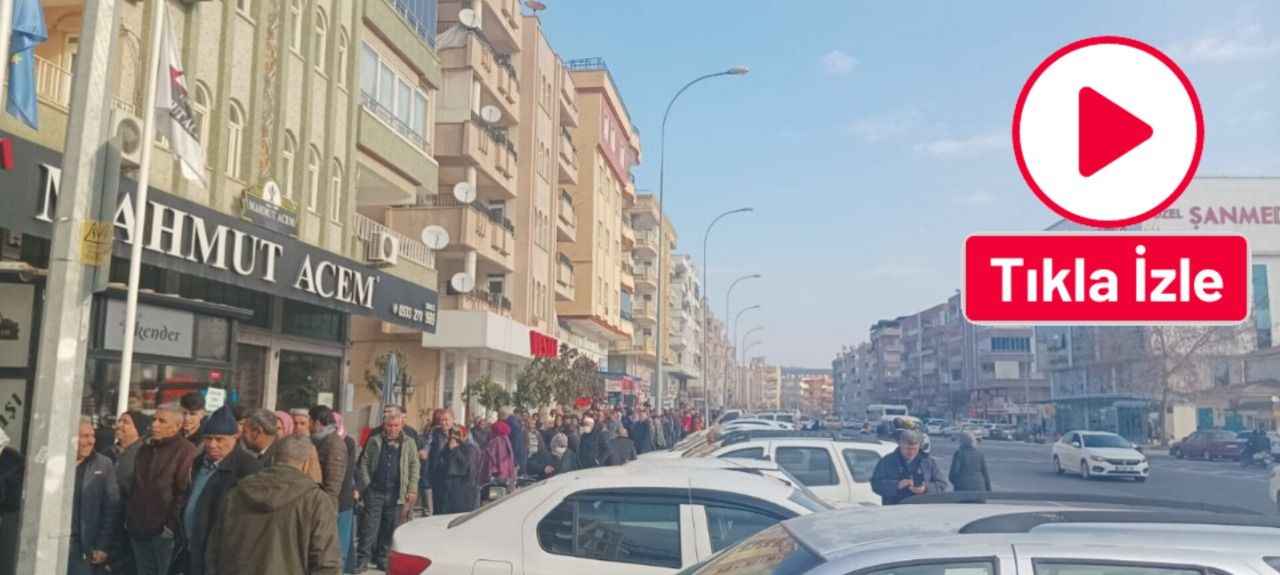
pixel 28 30
pixel 174 119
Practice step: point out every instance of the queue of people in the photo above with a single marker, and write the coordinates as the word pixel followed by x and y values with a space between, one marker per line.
pixel 243 491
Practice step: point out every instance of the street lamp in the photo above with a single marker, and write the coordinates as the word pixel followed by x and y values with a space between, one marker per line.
pixel 706 388
pixel 746 374
pixel 733 338
pixel 662 180
pixel 728 327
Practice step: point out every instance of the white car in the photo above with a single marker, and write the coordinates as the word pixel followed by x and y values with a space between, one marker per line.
pixel 836 469
pixel 630 519
pixel 746 424
pixel 1099 454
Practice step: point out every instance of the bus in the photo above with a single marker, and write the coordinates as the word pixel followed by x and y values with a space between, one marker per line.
pixel 878 411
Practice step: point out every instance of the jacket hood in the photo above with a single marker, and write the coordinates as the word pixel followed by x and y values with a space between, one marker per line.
pixel 274 488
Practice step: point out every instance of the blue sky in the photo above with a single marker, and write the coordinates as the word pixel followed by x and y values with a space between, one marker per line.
pixel 872 137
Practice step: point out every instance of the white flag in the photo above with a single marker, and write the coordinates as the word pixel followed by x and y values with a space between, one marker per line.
pixel 174 119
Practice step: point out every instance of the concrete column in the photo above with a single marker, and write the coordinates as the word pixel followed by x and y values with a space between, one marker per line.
pixel 458 407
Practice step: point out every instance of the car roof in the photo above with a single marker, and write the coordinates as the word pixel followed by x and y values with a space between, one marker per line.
pixel 881 446
pixel 673 476
pixel 842 532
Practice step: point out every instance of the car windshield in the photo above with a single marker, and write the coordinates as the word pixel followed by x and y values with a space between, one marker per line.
pixel 1105 440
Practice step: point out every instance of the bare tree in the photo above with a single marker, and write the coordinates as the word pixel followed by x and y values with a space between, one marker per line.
pixel 1183 359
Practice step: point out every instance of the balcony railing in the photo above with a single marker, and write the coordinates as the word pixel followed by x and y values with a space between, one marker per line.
pixel 498 135
pixel 565 277
pixel 441 201
pixel 648 239
pixel 478 299
pixel 371 103
pixel 420 15
pixel 411 249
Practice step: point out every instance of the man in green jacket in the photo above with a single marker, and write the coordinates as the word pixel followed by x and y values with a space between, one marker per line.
pixel 277 521
pixel 387 477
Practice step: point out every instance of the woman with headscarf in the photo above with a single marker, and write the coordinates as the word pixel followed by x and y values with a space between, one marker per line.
pixel 461 490
pixel 969 466
pixel 284 428
pixel 500 456
pixel 557 459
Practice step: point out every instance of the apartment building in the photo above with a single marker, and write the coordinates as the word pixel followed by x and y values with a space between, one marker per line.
pixel 607 146
pixel 718 357
pixel 275 90
pixel 685 333
pixel 817 395
pixel 885 362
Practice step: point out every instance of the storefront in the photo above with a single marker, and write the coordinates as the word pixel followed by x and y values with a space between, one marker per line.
pixel 236 308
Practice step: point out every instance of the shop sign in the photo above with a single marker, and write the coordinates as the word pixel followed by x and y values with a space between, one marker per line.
pixel 157 331
pixel 267 207
pixel 191 238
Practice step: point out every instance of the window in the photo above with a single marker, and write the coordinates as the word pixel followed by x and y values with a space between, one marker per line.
pixel 861 463
pixel 1011 344
pixel 321 39
pixel 976 567
pixel 1065 568
pixel 748 453
pixel 403 99
pixel 287 154
pixel 614 530
pixel 235 138
pixel 341 72
pixel 497 284
pixel 313 178
pixel 295 25
pixel 335 191
pixel 811 465
pixel 368 70
pixel 418 115
pixel 200 109
pixel 386 86
pixel 727 526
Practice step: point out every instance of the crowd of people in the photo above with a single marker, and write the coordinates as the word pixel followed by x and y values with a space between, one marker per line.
pixel 244 491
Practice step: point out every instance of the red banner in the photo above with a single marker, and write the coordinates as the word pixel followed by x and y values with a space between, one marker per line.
pixel 1092 278
pixel 541 345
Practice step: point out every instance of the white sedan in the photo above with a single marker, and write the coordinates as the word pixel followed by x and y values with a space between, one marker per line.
pixel 1099 454
pixel 630 520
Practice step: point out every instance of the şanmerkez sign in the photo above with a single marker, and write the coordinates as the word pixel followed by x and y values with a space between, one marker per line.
pixel 191 238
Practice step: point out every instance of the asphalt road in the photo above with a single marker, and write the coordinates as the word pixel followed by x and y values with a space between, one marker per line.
pixel 1016 466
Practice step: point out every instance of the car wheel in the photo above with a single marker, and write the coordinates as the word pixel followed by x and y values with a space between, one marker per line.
pixel 1057 465
pixel 1176 453
pixel 1084 470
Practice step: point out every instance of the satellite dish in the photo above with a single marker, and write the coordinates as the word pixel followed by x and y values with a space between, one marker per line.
pixel 464 192
pixel 468 18
pixel 436 237
pixel 462 282
pixel 490 114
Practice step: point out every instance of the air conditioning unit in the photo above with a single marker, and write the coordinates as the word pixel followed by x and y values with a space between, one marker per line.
pixel 127 129
pixel 384 250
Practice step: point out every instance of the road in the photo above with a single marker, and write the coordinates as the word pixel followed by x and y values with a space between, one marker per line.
pixel 1016 466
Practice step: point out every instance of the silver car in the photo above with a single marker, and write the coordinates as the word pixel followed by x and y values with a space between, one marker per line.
pixel 1007 539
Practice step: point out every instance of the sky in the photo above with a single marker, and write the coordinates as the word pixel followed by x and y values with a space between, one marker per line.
pixel 872 137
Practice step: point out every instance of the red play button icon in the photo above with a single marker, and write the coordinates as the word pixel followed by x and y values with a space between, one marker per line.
pixel 1107 131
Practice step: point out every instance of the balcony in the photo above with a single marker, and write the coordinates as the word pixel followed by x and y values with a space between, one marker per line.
pixel 641 346
pixel 565 287
pixel 500 19
pixel 488 148
pixel 476 300
pixel 644 212
pixel 644 313
pixel 416 263
pixel 465 48
pixel 569 114
pixel 398 144
pixel 647 278
pixel 646 244
pixel 470 226
pixel 629 188
pixel 628 280
pixel 628 235
pixel 568 158
pixel 53 94
pixel 566 219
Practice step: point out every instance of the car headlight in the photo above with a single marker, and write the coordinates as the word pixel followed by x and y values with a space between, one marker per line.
pixel 1097 459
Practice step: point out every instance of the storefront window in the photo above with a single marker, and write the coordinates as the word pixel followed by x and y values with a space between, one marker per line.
pixel 226 294
pixel 306 380
pixel 250 370
pixel 306 320
pixel 213 337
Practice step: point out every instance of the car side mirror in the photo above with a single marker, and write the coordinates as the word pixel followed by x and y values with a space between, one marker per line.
pixel 1076 444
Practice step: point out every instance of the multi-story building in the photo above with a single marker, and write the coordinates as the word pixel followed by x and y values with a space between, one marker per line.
pixel 792 392
pixel 817 395
pixel 770 388
pixel 608 146
pixel 847 378
pixel 639 356
pixel 263 293
pixel 685 311
pixel 885 363
pixel 718 356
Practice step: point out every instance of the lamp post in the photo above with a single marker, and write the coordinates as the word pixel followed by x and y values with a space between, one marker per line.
pixel 706 385
pixel 746 373
pixel 733 338
pixel 728 295
pixel 662 180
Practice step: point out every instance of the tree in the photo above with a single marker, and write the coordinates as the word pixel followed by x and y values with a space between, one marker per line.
pixel 561 380
pixel 487 393
pixel 1184 360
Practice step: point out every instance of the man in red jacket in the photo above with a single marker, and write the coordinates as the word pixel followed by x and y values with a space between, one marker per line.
pixel 161 479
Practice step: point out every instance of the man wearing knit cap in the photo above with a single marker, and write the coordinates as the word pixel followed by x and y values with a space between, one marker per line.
pixel 213 474
pixel 131 431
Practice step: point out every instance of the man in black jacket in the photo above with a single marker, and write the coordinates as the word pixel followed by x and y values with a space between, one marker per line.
pixel 621 448
pixel 215 471
pixel 95 516
pixel 593 446
pixel 907 472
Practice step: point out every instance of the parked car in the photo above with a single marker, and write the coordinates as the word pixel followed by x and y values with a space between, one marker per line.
pixel 1002 432
pixel 838 469
pixel 742 424
pixel 934 426
pixel 992 539
pixel 1099 454
pixel 1209 444
pixel 628 519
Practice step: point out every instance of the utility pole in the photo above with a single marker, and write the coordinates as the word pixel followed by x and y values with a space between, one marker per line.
pixel 64 331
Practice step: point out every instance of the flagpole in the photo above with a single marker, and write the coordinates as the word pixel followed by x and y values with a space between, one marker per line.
pixel 140 200
pixel 6 30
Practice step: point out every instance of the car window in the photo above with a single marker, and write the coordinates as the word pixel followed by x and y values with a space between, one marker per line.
pixel 1105 441
pixel 961 567
pixel 748 453
pixel 729 525
pixel 770 552
pixel 1073 568
pixel 861 463
pixel 611 530
pixel 811 465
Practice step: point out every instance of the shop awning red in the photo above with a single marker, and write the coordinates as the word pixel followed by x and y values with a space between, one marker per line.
pixel 542 345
